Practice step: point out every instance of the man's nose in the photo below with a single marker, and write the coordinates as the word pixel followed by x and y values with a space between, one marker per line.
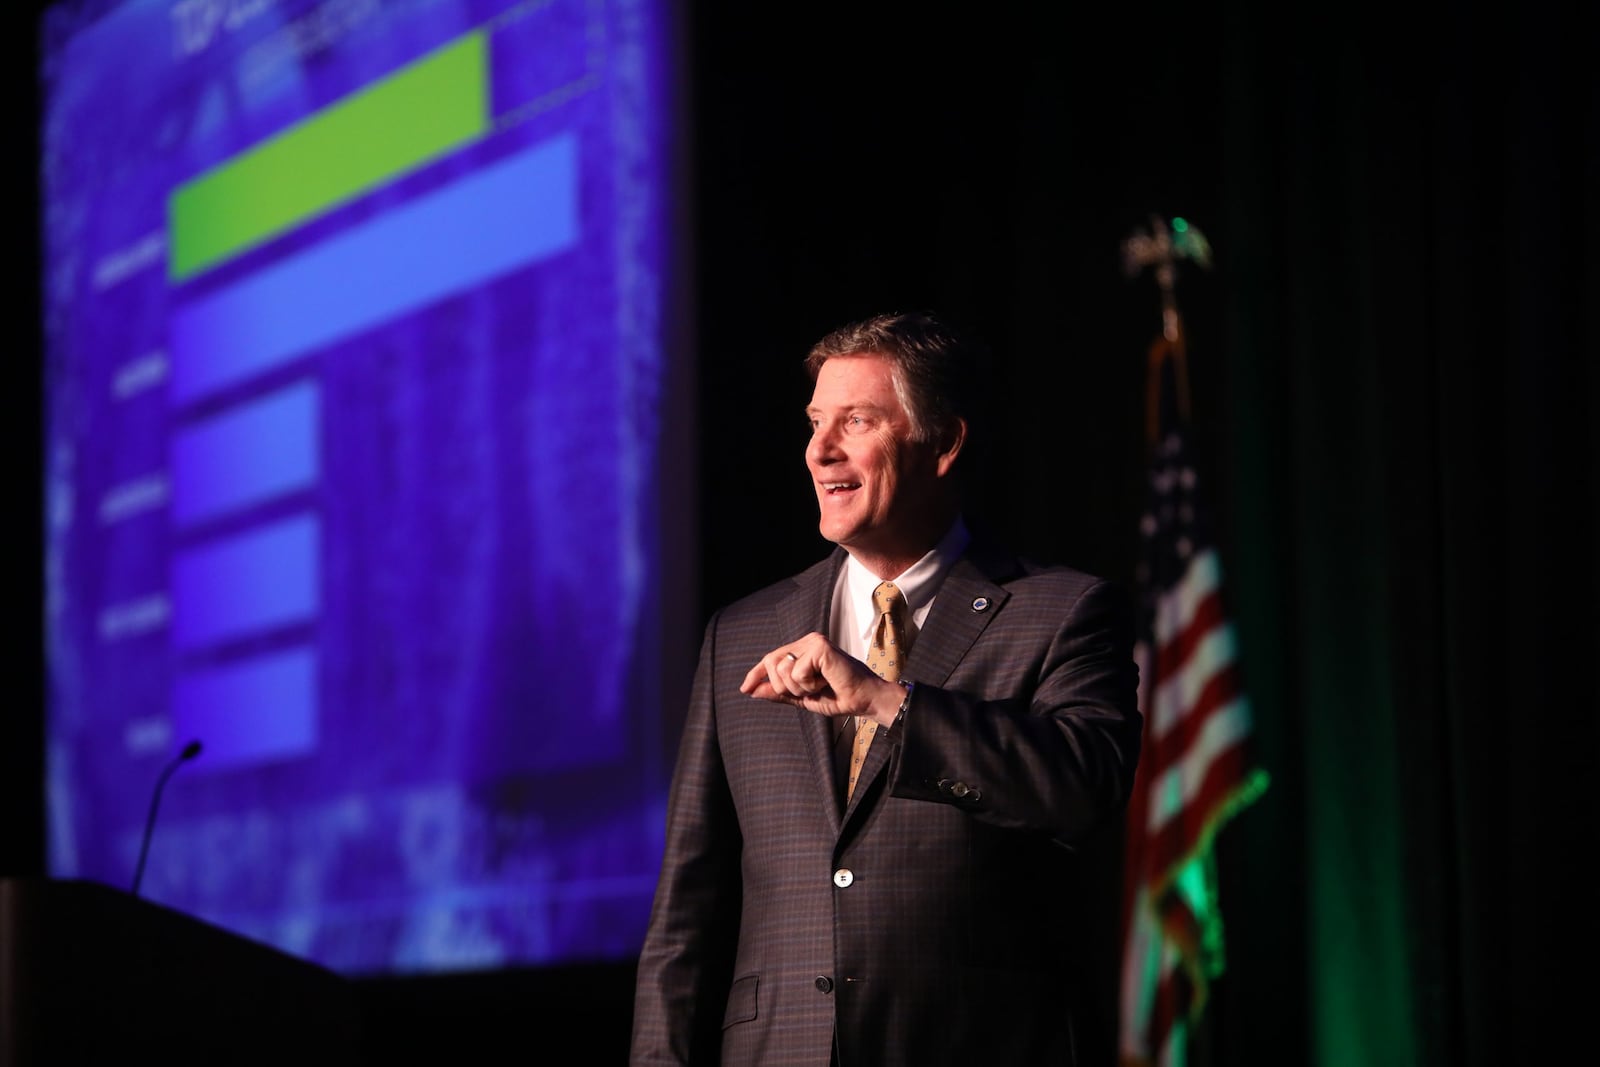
pixel 823 446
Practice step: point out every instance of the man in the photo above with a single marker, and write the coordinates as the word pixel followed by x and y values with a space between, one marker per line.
pixel 926 913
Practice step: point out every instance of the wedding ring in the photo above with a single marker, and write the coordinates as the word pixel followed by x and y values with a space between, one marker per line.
pixel 791 655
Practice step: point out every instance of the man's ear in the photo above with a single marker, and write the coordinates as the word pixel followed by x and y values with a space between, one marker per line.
pixel 950 444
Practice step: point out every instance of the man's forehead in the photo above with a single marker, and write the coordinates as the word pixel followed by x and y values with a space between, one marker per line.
pixel 862 376
pixel 856 359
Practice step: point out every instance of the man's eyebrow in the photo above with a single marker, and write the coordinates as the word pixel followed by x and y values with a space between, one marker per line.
pixel 870 409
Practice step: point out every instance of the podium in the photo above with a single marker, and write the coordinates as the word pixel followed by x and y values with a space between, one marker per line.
pixel 91 974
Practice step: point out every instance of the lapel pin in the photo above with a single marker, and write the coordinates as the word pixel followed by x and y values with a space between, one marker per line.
pixel 980 603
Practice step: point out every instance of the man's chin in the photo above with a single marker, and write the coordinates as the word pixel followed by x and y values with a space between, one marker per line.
pixel 833 532
pixel 853 539
pixel 836 527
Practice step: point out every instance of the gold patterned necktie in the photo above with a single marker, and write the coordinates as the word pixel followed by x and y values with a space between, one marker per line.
pixel 885 656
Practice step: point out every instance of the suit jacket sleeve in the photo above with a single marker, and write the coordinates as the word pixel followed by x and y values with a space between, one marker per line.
pixel 686 962
pixel 1059 755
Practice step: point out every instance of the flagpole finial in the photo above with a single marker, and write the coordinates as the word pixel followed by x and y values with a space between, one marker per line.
pixel 1162 247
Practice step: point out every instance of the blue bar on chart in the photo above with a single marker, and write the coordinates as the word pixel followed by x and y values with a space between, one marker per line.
pixel 247 583
pixel 512 214
pixel 248 455
pixel 259 709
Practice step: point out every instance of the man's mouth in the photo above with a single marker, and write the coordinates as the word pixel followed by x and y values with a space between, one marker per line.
pixel 832 488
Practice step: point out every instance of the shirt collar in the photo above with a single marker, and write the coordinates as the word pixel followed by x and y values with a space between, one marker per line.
pixel 918 584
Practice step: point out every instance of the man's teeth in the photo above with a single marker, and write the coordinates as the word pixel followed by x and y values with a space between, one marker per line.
pixel 836 486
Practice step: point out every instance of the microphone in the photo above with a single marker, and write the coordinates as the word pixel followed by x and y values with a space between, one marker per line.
pixel 190 751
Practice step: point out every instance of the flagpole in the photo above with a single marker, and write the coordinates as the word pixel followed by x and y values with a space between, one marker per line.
pixel 1195 768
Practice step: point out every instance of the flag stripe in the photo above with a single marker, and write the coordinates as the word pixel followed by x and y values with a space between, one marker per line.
pixel 1179 787
pixel 1178 696
pixel 1220 690
pixel 1180 642
pixel 1201 579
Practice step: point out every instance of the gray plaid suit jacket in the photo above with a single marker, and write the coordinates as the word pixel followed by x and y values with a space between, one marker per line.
pixel 950 939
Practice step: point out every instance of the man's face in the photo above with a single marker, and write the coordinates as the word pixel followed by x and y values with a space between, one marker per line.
pixel 878 490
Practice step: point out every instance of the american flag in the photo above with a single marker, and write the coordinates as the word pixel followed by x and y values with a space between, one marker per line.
pixel 1195 771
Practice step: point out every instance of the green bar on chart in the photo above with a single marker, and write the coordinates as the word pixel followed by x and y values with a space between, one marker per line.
pixel 382 131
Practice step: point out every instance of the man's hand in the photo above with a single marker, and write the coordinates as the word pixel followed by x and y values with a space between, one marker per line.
pixel 813 673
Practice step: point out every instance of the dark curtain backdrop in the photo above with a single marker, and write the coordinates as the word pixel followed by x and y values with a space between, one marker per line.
pixel 1409 381
pixel 1394 376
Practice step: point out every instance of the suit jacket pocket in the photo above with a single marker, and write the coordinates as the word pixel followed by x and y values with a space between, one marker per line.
pixel 741 1000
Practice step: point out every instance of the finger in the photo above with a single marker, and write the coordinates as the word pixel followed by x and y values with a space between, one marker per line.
pixel 758 683
pixel 764 691
pixel 802 675
pixel 807 678
pixel 771 673
pixel 756 677
pixel 797 671
pixel 783 673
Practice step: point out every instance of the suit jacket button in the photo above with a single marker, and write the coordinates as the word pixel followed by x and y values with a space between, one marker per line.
pixel 843 877
pixel 959 790
pixel 824 984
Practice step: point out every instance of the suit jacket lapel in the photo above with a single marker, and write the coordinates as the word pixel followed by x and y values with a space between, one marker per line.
pixel 805 609
pixel 967 599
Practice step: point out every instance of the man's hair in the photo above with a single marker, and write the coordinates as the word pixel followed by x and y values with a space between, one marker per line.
pixel 938 373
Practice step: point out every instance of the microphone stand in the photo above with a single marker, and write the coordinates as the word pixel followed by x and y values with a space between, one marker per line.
pixel 190 751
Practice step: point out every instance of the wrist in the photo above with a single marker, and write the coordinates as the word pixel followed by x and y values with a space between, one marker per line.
pixel 890 702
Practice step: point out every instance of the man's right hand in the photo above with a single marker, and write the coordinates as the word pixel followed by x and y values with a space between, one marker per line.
pixel 815 674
